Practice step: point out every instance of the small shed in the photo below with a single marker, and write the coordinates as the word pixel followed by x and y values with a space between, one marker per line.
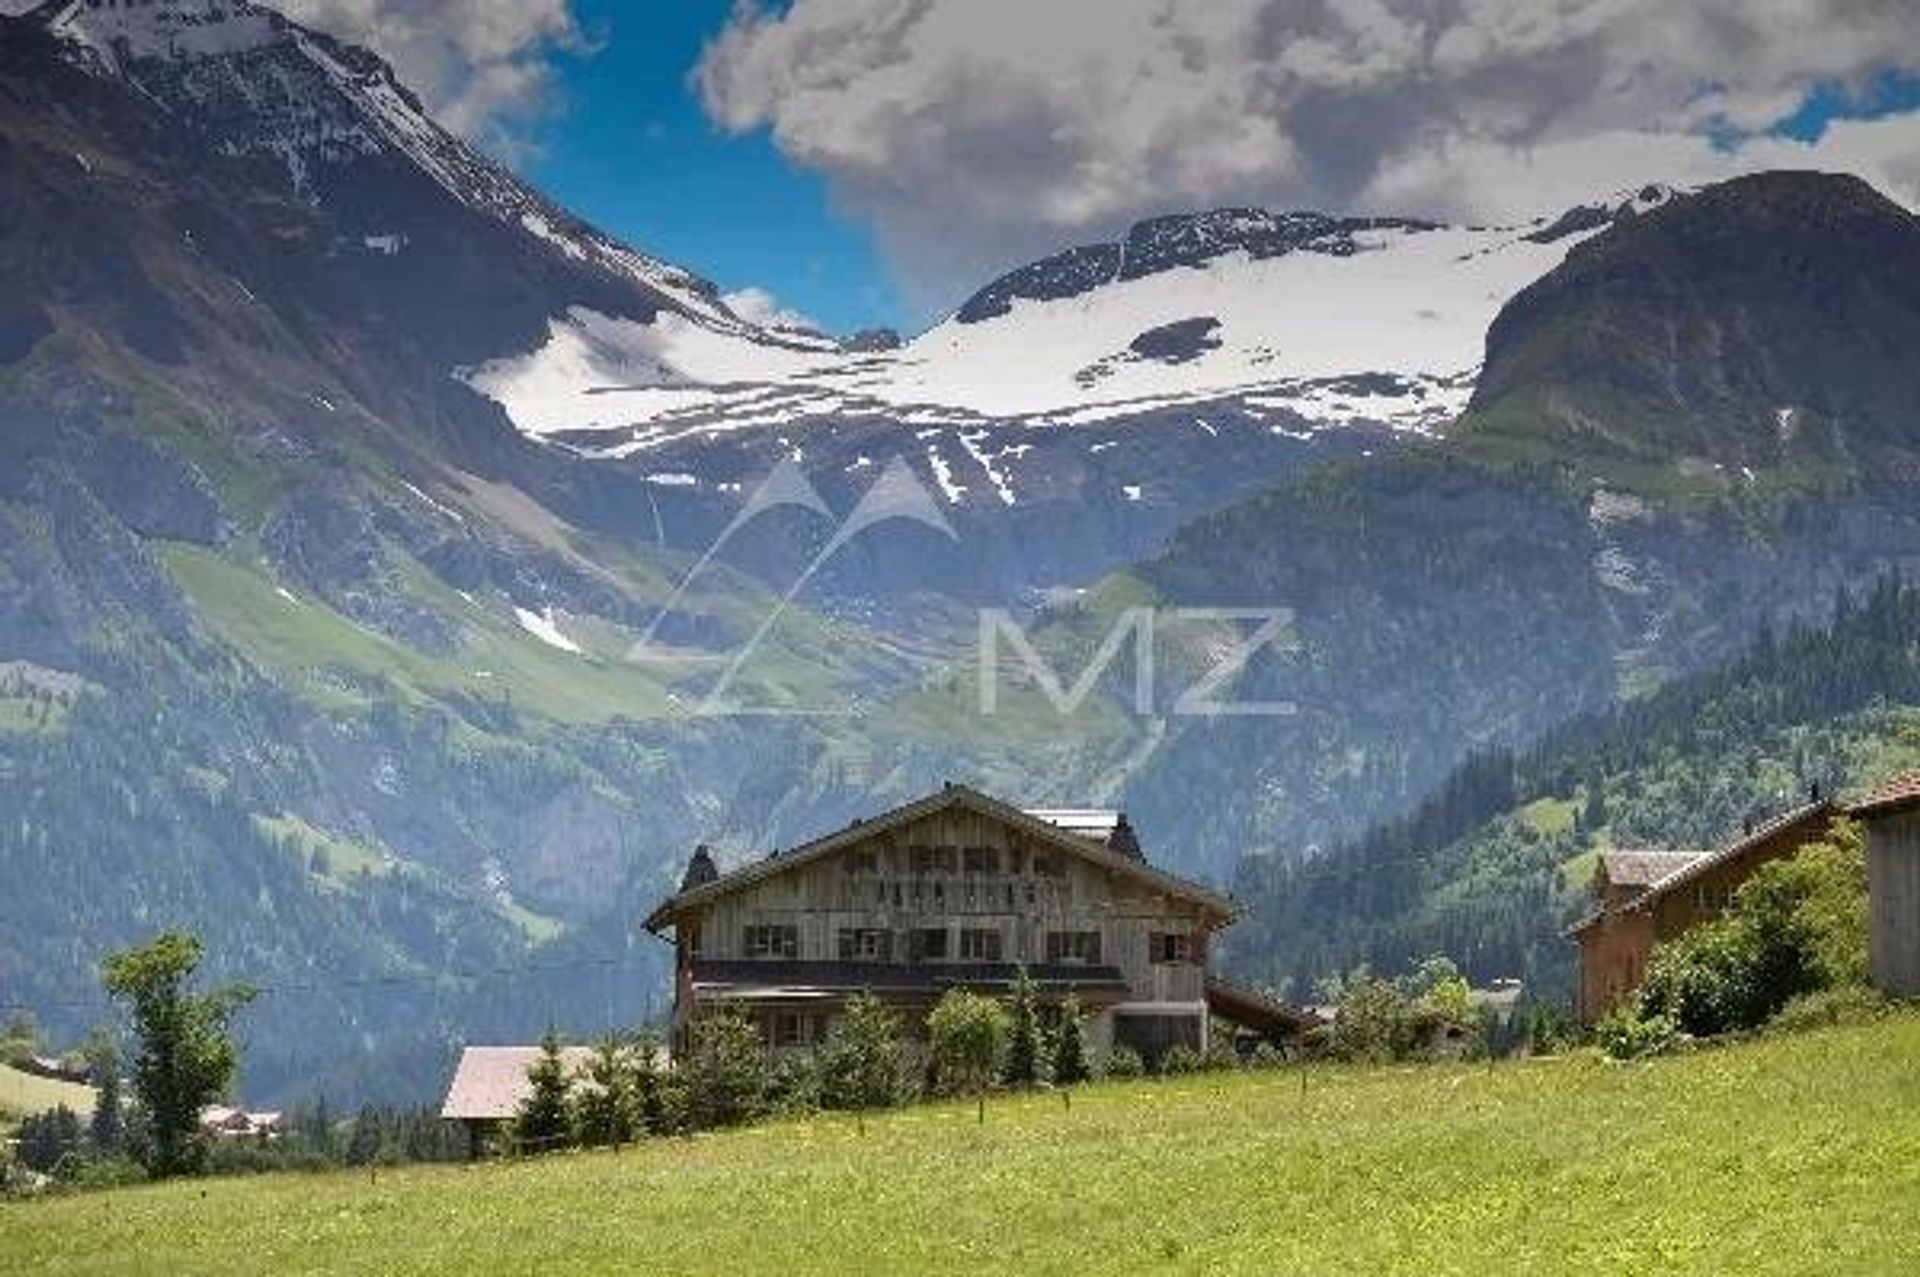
pixel 490 1084
pixel 1891 817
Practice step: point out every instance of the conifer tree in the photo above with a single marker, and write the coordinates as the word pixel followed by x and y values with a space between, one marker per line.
pixel 542 1124
pixel 1025 1063
pixel 1070 1046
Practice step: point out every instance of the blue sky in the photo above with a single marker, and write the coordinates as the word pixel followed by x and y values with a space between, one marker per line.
pixel 634 153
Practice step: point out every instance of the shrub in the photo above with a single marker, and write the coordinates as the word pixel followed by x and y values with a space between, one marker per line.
pixel 1628 1035
pixel 726 1073
pixel 1267 1056
pixel 1855 1004
pixel 865 1063
pixel 1181 1060
pixel 967 1035
pixel 794 1085
pixel 1222 1055
pixel 1375 1021
pixel 1797 926
pixel 1125 1062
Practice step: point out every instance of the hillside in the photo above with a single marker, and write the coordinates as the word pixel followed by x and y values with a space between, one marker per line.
pixel 1568 1164
pixel 23 1095
pixel 1492 866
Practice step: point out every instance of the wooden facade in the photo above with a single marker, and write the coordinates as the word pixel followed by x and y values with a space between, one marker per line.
pixel 1891 817
pixel 1646 898
pixel 954 890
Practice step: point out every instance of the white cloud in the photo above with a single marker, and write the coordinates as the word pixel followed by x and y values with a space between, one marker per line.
pixel 758 306
pixel 976 133
pixel 485 68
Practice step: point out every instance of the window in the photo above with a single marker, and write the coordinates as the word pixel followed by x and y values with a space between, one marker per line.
pixel 865 944
pixel 929 944
pixel 934 860
pixel 764 941
pixel 1073 946
pixel 789 1028
pixel 980 944
pixel 1169 947
pixel 980 860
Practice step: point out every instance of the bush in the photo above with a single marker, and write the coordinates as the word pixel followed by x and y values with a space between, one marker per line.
pixel 794 1086
pixel 1181 1060
pixel 1855 1004
pixel 1125 1062
pixel 726 1073
pixel 1375 1022
pixel 865 1064
pixel 1222 1056
pixel 1628 1035
pixel 1267 1056
pixel 1797 926
pixel 967 1035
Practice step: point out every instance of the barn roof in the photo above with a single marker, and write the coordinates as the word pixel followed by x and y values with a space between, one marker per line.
pixel 1898 794
pixel 1643 867
pixel 1820 812
pixel 951 796
pixel 490 1082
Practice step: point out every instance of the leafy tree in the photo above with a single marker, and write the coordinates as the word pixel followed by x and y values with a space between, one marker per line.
pixel 543 1122
pixel 967 1034
pixel 864 1064
pixel 1374 1022
pixel 1070 1045
pixel 606 1110
pixel 49 1139
pixel 1025 1062
pixel 187 1059
pixel 726 1074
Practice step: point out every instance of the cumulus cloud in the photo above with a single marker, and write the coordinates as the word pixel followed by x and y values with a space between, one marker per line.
pixel 975 133
pixel 758 306
pixel 485 69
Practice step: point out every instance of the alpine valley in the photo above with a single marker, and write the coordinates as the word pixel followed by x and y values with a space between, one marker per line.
pixel 398 576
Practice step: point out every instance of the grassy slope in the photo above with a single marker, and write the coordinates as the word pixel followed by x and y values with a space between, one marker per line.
pixel 22 1094
pixel 1795 1155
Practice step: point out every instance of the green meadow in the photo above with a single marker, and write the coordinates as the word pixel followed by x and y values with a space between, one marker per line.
pixel 1794 1154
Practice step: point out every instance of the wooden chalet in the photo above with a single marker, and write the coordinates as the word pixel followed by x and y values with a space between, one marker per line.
pixel 1643 898
pixel 1891 817
pixel 956 890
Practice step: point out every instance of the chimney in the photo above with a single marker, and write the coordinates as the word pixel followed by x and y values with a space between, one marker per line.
pixel 700 870
pixel 1123 841
pixel 1813 792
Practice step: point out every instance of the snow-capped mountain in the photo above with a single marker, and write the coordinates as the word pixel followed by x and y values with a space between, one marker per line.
pixel 1305 320
pixel 255 85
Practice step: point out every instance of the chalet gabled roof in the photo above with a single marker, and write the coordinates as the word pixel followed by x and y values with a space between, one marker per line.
pixel 1899 794
pixel 1822 811
pixel 942 800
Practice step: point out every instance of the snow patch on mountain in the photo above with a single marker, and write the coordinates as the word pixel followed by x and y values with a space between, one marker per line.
pixel 1374 321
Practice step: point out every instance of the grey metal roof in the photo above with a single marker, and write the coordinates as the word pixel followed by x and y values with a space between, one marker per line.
pixel 1096 823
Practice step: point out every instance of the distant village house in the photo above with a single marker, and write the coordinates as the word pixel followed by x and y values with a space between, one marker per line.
pixel 1645 897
